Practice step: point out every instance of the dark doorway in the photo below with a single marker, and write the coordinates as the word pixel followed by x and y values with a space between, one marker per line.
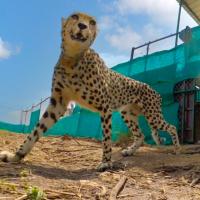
pixel 187 94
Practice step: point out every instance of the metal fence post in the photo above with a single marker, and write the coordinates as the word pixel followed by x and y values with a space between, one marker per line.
pixel 132 53
pixel 178 22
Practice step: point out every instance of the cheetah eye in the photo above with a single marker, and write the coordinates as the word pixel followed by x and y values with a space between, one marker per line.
pixel 75 17
pixel 92 22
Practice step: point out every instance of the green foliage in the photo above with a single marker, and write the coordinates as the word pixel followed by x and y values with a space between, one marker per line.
pixel 35 193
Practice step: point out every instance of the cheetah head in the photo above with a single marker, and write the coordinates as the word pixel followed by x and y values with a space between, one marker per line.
pixel 78 33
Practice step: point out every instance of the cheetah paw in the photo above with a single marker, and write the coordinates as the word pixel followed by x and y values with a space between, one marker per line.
pixel 104 166
pixel 128 152
pixel 6 156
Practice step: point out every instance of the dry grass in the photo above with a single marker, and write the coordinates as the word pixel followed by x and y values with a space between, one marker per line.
pixel 64 168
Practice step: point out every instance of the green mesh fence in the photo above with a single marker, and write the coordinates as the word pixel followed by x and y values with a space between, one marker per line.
pixel 162 70
pixel 22 128
pixel 83 123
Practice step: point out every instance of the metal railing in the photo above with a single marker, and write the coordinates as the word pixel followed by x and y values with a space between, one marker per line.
pixel 151 42
pixel 171 35
pixel 24 113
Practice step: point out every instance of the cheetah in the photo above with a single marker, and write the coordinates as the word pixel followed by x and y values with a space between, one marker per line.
pixel 80 75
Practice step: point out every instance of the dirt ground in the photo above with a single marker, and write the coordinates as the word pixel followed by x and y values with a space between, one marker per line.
pixel 65 168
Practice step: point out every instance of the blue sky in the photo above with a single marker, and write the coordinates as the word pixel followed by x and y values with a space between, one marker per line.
pixel 30 40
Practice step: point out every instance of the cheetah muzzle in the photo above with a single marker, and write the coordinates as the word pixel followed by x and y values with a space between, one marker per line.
pixel 79 37
pixel 80 75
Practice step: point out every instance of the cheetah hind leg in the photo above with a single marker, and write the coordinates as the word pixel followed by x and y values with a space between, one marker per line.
pixel 132 123
pixel 138 141
pixel 156 137
pixel 161 124
pixel 173 133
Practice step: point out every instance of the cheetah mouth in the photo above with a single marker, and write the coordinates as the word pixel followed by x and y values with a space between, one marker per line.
pixel 78 37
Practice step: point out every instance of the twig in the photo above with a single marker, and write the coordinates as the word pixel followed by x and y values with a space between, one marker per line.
pixel 79 192
pixel 73 150
pixel 194 182
pixel 117 189
pixel 125 195
pixel 76 141
pixel 87 145
pixel 84 145
pixel 22 197
pixel 60 192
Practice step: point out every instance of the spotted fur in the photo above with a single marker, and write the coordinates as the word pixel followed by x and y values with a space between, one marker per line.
pixel 80 75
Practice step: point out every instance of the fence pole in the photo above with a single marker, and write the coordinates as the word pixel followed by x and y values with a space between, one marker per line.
pixel 147 52
pixel 146 57
pixel 21 117
pixel 132 53
pixel 40 107
pixel 178 22
pixel 25 111
pixel 40 103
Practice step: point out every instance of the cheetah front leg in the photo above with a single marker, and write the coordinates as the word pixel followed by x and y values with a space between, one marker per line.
pixel 107 145
pixel 54 111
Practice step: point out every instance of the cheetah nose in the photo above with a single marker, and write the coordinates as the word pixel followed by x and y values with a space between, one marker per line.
pixel 82 26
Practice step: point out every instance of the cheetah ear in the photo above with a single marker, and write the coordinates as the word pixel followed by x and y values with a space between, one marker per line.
pixel 63 21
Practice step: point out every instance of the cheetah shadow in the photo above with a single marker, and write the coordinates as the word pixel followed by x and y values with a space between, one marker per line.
pixel 60 173
pixel 147 162
pixel 8 170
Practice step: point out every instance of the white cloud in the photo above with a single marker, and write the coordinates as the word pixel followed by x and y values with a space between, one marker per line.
pixel 124 38
pixel 151 32
pixel 5 52
pixel 186 20
pixel 159 11
pixel 110 22
pixel 105 22
pixel 161 17
pixel 163 13
pixel 162 21
pixel 113 59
